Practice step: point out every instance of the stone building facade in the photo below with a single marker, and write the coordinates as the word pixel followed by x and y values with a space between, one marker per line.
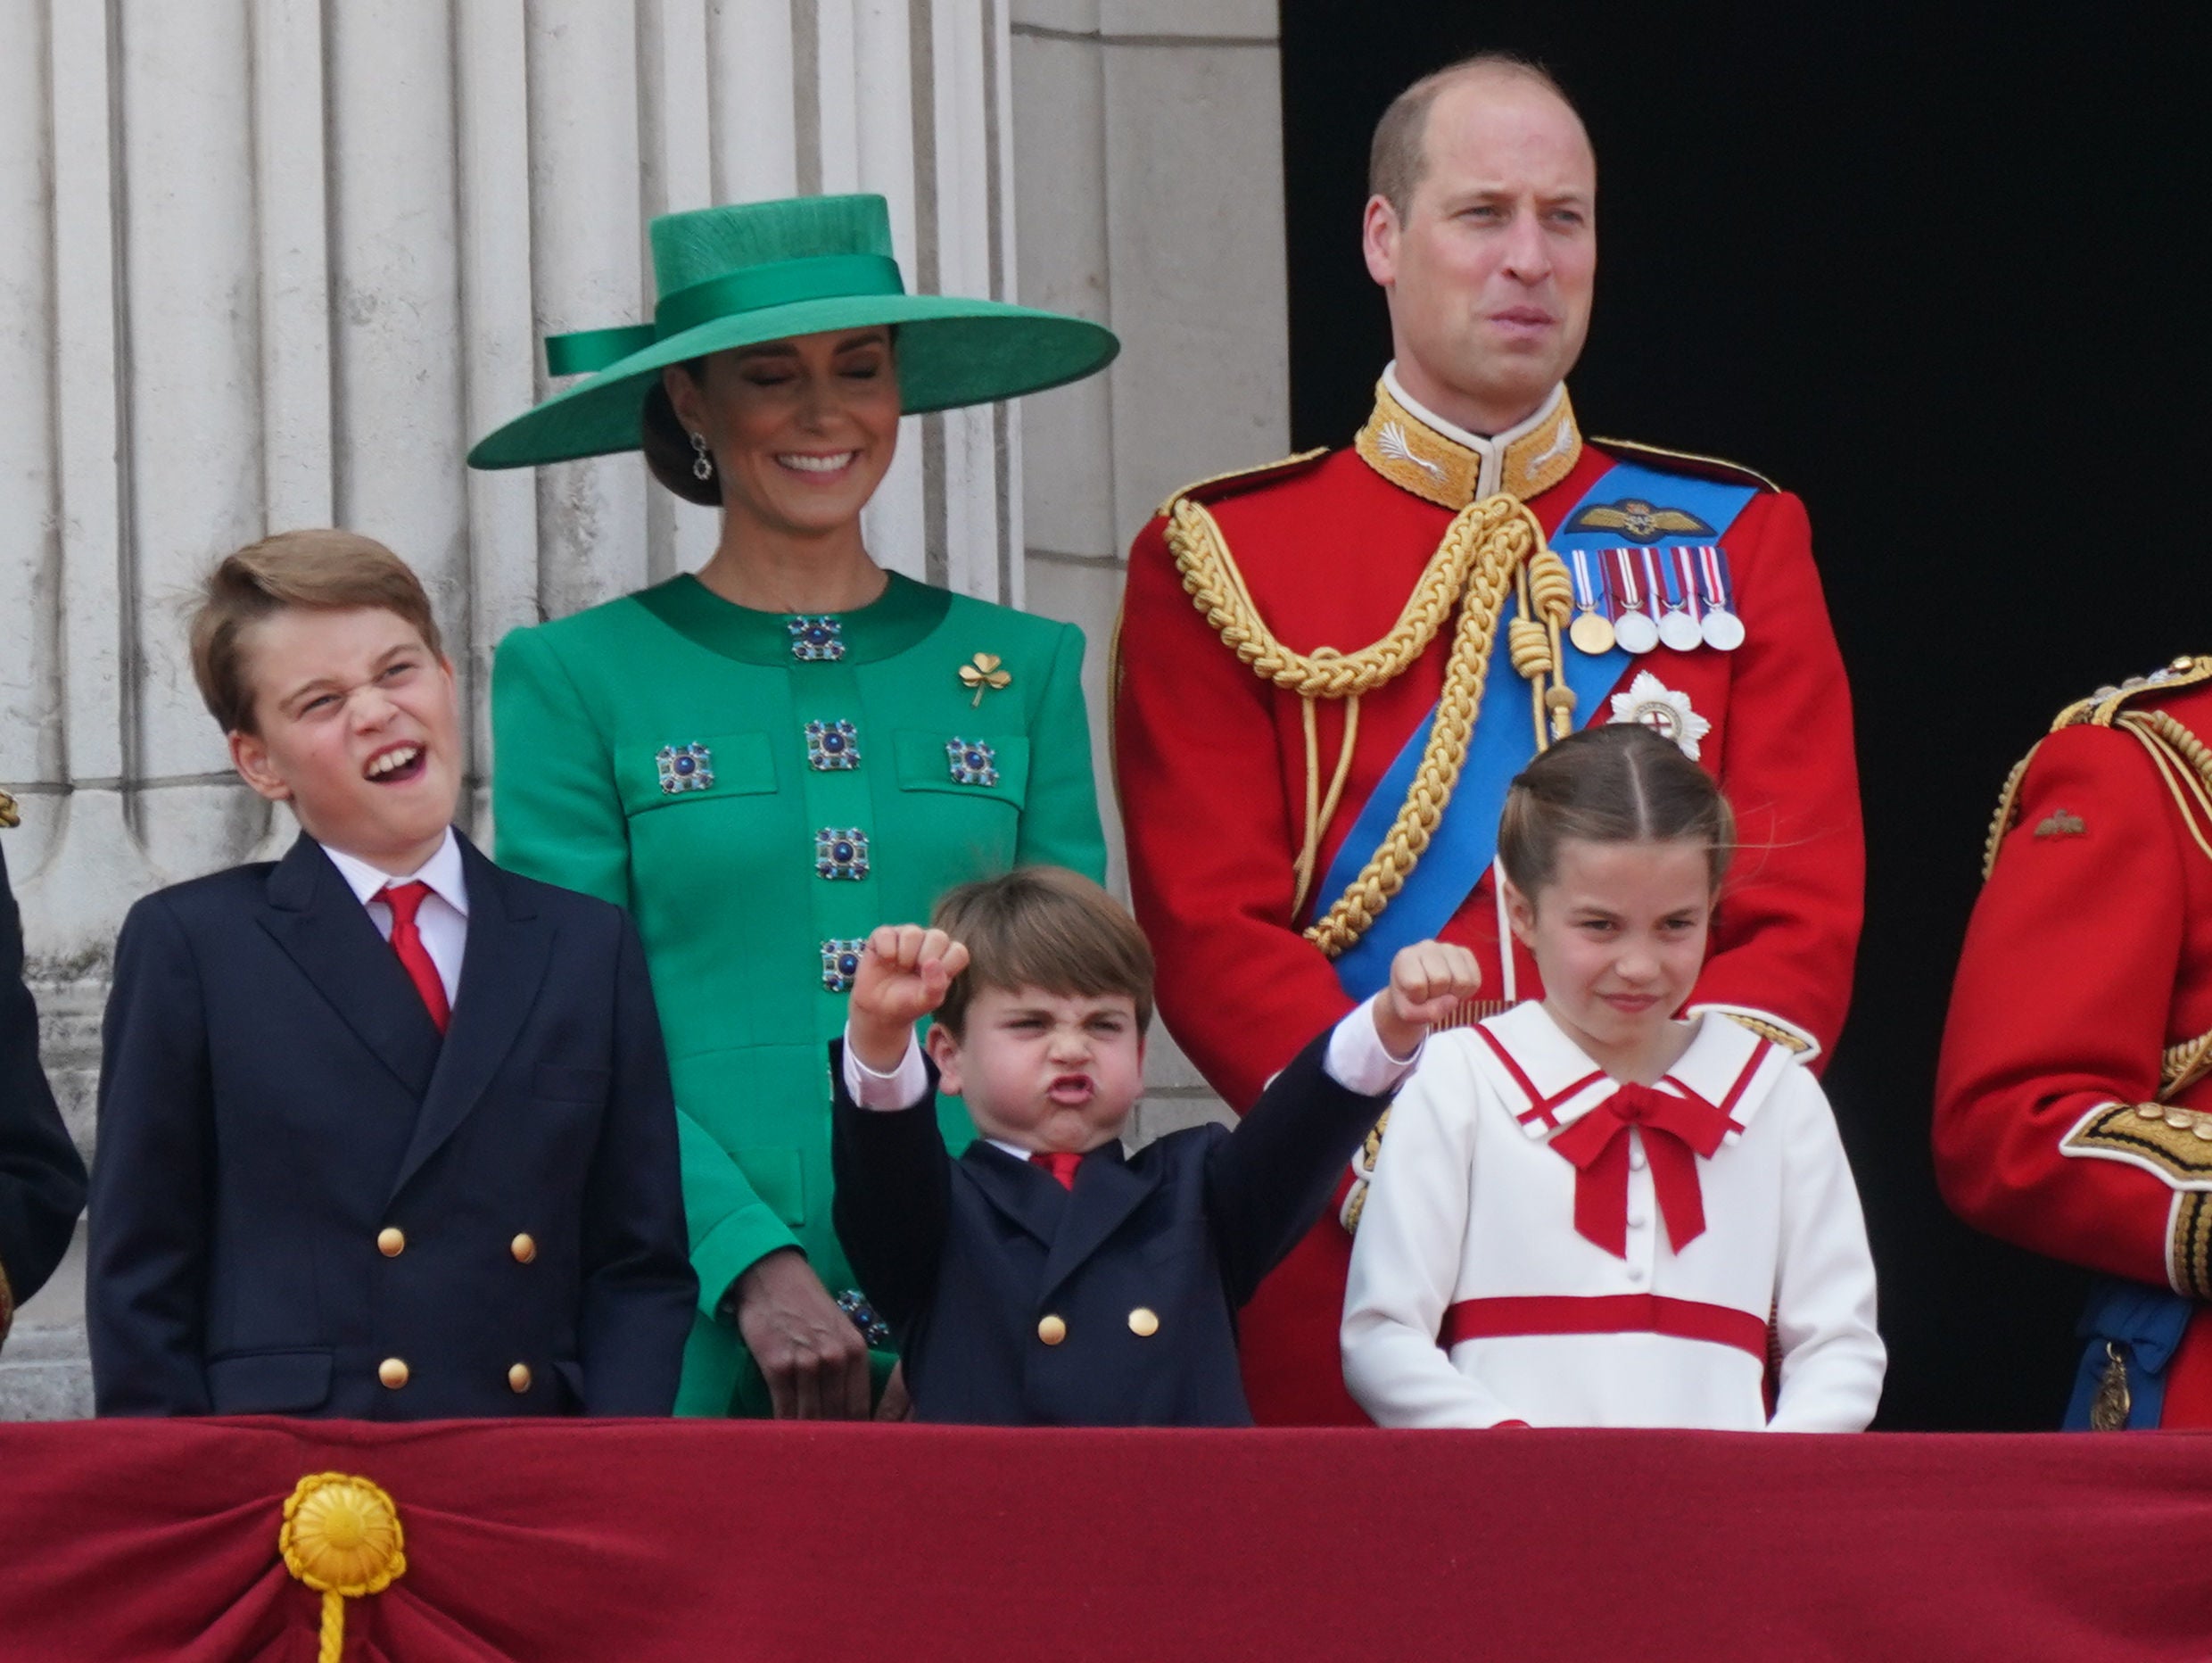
pixel 268 263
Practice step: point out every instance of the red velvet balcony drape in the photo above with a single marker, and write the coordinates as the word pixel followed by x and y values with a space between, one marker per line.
pixel 644 1541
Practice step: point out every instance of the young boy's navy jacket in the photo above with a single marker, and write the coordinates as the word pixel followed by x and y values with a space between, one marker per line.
pixel 305 1202
pixel 1015 1301
pixel 42 1178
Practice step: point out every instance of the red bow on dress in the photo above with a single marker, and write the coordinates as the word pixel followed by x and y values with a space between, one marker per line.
pixel 1676 1130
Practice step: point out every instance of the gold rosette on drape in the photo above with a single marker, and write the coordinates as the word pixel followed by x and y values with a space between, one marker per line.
pixel 341 1537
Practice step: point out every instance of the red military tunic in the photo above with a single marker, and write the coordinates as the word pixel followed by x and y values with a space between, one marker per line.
pixel 1213 774
pixel 2088 964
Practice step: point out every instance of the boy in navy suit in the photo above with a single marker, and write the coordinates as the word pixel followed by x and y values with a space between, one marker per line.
pixel 385 1131
pixel 1043 1278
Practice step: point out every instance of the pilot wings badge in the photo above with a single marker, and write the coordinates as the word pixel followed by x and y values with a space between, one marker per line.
pixel 1639 521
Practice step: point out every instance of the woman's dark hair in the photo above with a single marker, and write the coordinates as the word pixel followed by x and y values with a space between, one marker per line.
pixel 1618 784
pixel 667 447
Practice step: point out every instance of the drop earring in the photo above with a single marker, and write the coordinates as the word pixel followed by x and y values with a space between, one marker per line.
pixel 703 467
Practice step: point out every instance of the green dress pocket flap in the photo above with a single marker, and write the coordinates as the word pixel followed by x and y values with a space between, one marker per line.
pixel 694 770
pixel 778 1178
pixel 988 765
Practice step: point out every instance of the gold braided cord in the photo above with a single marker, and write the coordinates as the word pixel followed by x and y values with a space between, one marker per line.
pixel 1473 568
pixel 2007 805
pixel 2191 792
pixel 1211 578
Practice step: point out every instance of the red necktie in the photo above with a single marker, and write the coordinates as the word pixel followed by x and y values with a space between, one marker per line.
pixel 406 899
pixel 1676 1131
pixel 1060 1163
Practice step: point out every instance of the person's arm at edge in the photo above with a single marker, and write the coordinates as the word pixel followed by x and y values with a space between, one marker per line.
pixel 147 1244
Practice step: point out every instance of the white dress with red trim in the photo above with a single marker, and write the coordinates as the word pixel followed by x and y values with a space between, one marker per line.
pixel 1545 1244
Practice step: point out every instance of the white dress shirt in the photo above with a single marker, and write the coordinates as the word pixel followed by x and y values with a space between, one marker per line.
pixel 443 920
pixel 1356 1061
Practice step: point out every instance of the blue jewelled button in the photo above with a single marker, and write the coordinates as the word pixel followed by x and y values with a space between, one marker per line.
pixel 832 746
pixel 841 854
pixel 817 639
pixel 684 768
pixel 840 964
pixel 972 762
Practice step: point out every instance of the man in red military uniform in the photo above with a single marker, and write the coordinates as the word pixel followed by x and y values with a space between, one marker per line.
pixel 2074 1101
pixel 1315 655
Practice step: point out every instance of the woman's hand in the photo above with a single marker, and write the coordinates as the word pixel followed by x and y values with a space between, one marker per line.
pixel 904 973
pixel 1428 980
pixel 809 1353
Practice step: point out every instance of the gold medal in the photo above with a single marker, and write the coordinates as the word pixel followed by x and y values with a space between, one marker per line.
pixel 1591 634
pixel 1591 631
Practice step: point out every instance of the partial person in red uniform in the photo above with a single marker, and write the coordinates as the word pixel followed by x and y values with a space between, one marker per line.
pixel 2074 1101
pixel 1329 668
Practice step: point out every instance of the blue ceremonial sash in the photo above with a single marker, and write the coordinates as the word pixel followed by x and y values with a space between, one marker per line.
pixel 1503 741
pixel 2145 1325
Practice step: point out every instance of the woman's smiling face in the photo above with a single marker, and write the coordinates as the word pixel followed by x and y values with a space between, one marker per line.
pixel 801 431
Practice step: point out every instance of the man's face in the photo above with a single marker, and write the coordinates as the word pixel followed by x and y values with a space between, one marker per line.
pixel 1490 270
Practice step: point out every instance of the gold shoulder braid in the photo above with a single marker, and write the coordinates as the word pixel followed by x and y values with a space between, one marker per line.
pixel 2173 747
pixel 1491 547
pixel 8 816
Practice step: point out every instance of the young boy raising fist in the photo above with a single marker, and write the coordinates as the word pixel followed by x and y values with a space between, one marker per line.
pixel 1045 1278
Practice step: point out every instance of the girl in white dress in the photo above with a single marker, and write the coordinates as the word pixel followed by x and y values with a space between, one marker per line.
pixel 1586 1211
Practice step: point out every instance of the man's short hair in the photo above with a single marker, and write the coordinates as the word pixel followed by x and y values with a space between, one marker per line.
pixel 1399 156
pixel 319 571
pixel 1046 928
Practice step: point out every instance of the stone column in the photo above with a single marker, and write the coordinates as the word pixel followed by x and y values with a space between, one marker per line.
pixel 268 263
pixel 1150 183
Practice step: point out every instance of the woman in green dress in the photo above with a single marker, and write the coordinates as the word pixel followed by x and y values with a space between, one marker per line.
pixel 767 760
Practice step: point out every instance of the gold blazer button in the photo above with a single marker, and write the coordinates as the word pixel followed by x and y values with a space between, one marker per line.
pixel 518 1377
pixel 391 1242
pixel 392 1372
pixel 1143 1323
pixel 1052 1330
pixel 524 1249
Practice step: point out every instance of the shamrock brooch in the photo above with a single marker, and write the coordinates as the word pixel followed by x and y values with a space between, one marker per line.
pixel 983 674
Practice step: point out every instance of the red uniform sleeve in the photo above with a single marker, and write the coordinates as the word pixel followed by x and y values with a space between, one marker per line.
pixel 1211 839
pixel 2059 1008
pixel 1788 926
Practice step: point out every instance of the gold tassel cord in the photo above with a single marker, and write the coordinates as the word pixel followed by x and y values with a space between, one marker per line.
pixel 340 1537
pixel 1474 569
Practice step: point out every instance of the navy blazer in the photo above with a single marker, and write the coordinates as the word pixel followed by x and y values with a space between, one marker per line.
pixel 301 1194
pixel 42 1177
pixel 1017 1303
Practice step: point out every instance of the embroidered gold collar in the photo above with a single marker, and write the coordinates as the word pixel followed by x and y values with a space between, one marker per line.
pixel 1452 469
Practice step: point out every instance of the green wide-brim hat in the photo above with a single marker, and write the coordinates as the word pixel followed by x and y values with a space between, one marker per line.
pixel 766 271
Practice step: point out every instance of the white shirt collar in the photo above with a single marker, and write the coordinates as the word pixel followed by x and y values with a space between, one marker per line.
pixel 1491 449
pixel 441 872
pixel 1725 1063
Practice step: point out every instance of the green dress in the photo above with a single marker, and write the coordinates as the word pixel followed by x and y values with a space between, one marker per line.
pixel 761 792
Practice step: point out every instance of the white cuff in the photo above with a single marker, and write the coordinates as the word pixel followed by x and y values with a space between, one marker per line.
pixel 901 1088
pixel 1356 1058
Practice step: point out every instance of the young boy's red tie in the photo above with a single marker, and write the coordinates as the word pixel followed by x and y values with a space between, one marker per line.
pixel 1060 1163
pixel 406 899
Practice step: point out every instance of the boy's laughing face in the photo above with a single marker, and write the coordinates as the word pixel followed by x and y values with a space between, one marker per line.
pixel 358 728
pixel 1044 1071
